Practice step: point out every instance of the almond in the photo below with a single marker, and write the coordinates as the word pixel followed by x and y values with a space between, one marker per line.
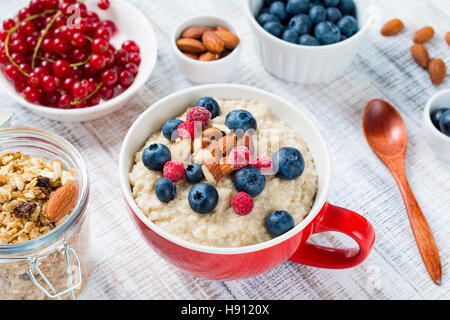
pixel 194 56
pixel 230 40
pixel 223 146
pixel 213 42
pixel 423 35
pixel 200 143
pixel 195 32
pixel 182 150
pixel 61 202
pixel 222 28
pixel 190 45
pixel 447 38
pixel 420 54
pixel 392 28
pixel 208 56
pixel 437 71
pixel 214 172
pixel 212 133
pixel 202 156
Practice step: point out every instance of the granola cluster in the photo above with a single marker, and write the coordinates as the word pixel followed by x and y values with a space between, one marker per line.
pixel 26 183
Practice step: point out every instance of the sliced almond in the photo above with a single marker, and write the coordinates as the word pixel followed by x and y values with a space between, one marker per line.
pixel 200 143
pixel 182 150
pixel 202 156
pixel 420 54
pixel 195 32
pixel 222 128
pixel 190 45
pixel 61 202
pixel 212 134
pixel 392 28
pixel 222 147
pixel 214 171
pixel 423 35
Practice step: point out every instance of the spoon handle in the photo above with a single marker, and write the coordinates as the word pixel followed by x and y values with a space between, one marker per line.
pixel 422 233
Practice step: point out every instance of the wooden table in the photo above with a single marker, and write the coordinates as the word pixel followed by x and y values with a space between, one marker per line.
pixel 126 268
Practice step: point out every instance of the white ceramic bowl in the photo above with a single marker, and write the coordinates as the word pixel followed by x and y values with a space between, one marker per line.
pixel 307 64
pixel 438 142
pixel 203 72
pixel 133 25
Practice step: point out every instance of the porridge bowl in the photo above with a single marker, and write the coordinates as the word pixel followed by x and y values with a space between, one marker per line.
pixel 228 259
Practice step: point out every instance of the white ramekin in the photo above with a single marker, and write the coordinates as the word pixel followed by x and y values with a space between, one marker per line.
pixel 204 72
pixel 438 142
pixel 307 64
pixel 132 24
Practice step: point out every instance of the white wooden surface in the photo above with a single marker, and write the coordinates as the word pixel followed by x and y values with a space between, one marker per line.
pixel 126 268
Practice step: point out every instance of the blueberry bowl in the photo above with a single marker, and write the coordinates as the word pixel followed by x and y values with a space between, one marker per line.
pixel 308 45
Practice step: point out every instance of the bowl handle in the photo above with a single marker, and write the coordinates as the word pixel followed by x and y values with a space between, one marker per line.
pixel 341 220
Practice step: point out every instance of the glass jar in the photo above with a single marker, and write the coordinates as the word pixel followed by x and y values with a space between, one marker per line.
pixel 55 265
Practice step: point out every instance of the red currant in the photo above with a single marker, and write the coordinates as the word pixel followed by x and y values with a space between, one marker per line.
pixel 109 77
pixel 34 79
pixel 79 89
pixel 31 42
pixel 8 24
pixel 99 45
pixel 59 45
pixel 110 25
pixel 106 92
pixel 79 39
pixel 125 79
pixel 20 84
pixel 64 101
pixel 109 57
pixel 23 14
pixel 121 57
pixel 134 58
pixel 61 68
pixel 17 58
pixel 36 6
pixel 134 69
pixel 12 72
pixel 31 94
pixel 18 46
pixel 103 33
pixel 25 68
pixel 47 45
pixel 94 100
pixel 51 4
pixel 40 71
pixel 3 57
pixel 97 62
pixel 130 46
pixel 26 28
pixel 103 4
pixel 49 83
pixel 3 35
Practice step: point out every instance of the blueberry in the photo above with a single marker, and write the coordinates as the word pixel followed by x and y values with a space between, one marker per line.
pixel 301 24
pixel 269 2
pixel 240 120
pixel 264 10
pixel 294 7
pixel 165 190
pixel 327 33
pixel 331 3
pixel 333 15
pixel 194 173
pixel 249 180
pixel 348 26
pixel 347 7
pixel 444 123
pixel 274 28
pixel 169 128
pixel 155 156
pixel 436 116
pixel 279 222
pixel 290 36
pixel 342 38
pixel 308 40
pixel 266 17
pixel 203 198
pixel 317 14
pixel 289 163
pixel 278 9
pixel 210 104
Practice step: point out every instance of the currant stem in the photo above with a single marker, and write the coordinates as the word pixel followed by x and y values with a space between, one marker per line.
pixel 75 102
pixel 41 38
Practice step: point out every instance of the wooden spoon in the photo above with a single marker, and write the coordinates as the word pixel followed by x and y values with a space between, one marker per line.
pixel 386 134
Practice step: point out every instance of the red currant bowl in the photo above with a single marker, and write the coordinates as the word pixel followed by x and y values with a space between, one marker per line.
pixel 131 24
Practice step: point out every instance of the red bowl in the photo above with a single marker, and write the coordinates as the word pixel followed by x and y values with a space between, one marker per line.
pixel 242 262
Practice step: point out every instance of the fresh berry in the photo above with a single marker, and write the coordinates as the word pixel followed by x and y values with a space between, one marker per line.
pixel 242 203
pixel 239 157
pixel 436 116
pixel 249 180
pixel 186 130
pixel 210 104
pixel 126 79
pixel 327 33
pixel 103 4
pixel 348 26
pixel 444 123
pixel 274 28
pixel 347 7
pixel 300 24
pixel 267 17
pixel 317 14
pixel 194 173
pixel 307 40
pixel 31 94
pixel 155 156
pixel 130 46
pixel 100 46
pixel 109 77
pixel 294 7
pixel 199 114
pixel 279 222
pixel 61 69
pixel 49 83
pixel 331 3
pixel 203 198
pixel 165 190
pixel 174 170
pixel 290 36
pixel 288 163
pixel 170 127
pixel 278 9
pixel 263 163
pixel 333 14
pixel 240 120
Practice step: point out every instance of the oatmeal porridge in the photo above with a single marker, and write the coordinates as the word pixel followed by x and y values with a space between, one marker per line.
pixel 239 214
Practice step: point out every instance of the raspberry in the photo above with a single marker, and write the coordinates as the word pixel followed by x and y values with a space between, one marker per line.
pixel 199 114
pixel 263 163
pixel 186 130
pixel 239 157
pixel 173 170
pixel 242 203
